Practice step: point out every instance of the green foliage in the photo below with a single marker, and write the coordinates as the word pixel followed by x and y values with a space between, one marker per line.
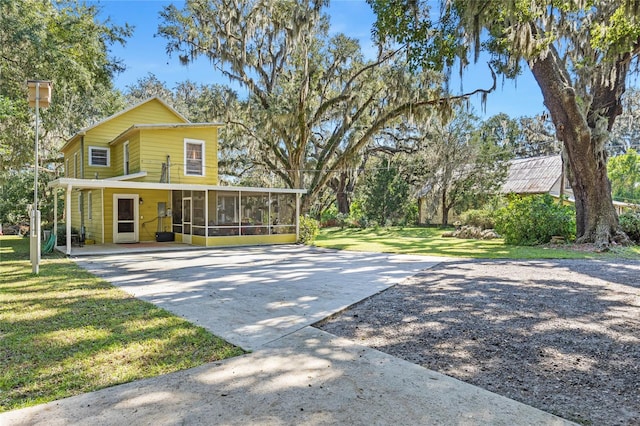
pixel 385 194
pixel 59 41
pixel 618 33
pixel 624 173
pixel 468 164
pixel 61 237
pixel 309 228
pixel 411 212
pixel 329 217
pixel 579 46
pixel 356 214
pixel 481 218
pixel 410 24
pixel 16 194
pixel 630 224
pixel 532 220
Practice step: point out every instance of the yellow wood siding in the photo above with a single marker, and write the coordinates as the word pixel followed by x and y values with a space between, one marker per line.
pixel 117 152
pixel 69 158
pixel 107 212
pixel 117 158
pixel 250 240
pixel 148 113
pixel 93 221
pixel 148 212
pixel 156 144
pixel 198 241
pixel 134 153
pixel 149 220
pixel 75 211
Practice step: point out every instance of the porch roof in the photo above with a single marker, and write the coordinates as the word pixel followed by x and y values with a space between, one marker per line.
pixel 71 183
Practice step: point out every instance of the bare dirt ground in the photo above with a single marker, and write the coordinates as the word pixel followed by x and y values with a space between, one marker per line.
pixel 560 335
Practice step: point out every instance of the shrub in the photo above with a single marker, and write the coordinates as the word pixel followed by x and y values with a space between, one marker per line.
pixel 410 213
pixel 61 238
pixel 341 220
pixel 532 220
pixel 480 218
pixel 329 217
pixel 308 230
pixel 630 224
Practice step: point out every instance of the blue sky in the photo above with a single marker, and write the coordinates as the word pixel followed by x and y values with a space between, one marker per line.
pixel 145 53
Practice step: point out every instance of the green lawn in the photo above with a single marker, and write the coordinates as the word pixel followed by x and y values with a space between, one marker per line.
pixel 429 242
pixel 66 332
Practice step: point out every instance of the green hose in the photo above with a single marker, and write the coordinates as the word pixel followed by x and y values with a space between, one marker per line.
pixel 50 244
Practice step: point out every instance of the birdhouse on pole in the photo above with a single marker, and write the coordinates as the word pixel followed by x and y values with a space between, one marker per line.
pixel 39 90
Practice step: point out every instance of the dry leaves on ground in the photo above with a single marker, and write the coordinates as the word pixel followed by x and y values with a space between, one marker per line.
pixel 562 336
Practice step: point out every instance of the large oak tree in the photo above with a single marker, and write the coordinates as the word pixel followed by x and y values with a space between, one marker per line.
pixel 579 52
pixel 314 101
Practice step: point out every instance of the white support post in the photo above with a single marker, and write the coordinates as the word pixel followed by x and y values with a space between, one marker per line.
pixel 102 212
pixel 55 214
pixel 269 215
pixel 67 201
pixel 240 212
pixel 297 217
pixel 206 218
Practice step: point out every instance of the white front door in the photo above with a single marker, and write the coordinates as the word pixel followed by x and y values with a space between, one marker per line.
pixel 186 220
pixel 125 218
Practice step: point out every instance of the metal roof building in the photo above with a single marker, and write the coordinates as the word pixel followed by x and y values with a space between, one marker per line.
pixel 539 175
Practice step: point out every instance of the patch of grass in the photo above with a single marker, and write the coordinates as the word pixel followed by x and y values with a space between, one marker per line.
pixel 429 242
pixel 65 332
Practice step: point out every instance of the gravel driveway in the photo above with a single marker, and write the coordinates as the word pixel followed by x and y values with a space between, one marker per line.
pixel 562 336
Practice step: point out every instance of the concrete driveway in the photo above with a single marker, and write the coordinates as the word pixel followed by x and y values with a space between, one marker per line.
pixel 263 298
pixel 251 296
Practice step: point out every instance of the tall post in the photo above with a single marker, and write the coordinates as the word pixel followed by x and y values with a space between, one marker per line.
pixel 35 216
pixel 36 100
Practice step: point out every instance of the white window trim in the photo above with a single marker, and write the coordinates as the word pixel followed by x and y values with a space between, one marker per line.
pixel 126 159
pixel 76 163
pixel 102 148
pixel 194 142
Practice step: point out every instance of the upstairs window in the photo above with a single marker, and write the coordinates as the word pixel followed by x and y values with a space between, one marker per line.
pixel 98 156
pixel 193 157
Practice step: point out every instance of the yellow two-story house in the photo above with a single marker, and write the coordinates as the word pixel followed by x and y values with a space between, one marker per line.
pixel 148 174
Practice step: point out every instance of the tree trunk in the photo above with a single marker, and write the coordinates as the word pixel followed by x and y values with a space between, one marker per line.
pixel 444 207
pixel 596 218
pixel 342 186
pixel 344 205
pixel 342 194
